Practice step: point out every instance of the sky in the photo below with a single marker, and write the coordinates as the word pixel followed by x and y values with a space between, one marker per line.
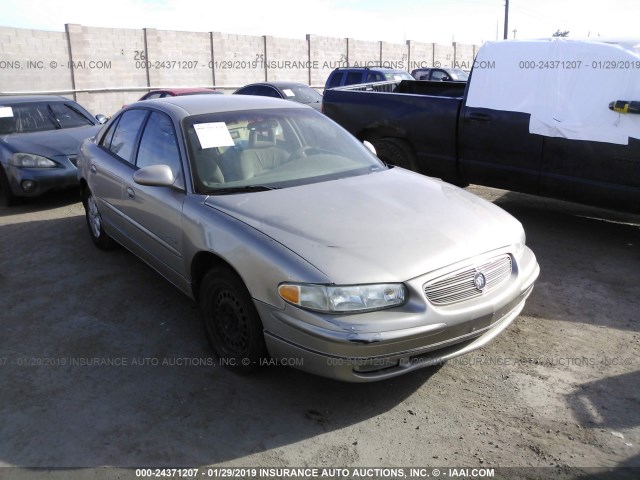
pixel 439 21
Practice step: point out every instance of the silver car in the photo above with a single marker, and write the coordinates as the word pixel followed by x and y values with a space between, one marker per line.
pixel 300 246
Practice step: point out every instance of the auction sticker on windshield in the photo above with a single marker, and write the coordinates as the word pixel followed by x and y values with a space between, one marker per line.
pixel 213 134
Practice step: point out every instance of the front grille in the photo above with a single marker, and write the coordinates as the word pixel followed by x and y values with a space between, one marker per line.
pixel 460 285
pixel 73 159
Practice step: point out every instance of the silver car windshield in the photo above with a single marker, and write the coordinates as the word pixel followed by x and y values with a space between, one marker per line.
pixel 264 149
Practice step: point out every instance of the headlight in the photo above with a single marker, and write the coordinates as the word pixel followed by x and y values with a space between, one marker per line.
pixel 28 160
pixel 343 298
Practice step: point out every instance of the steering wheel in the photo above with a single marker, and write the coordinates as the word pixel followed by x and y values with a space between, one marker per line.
pixel 302 152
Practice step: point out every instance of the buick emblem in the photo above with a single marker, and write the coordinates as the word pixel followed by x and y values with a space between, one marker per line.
pixel 480 281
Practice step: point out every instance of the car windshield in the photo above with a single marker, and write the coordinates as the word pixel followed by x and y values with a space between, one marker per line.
pixel 265 149
pixel 39 117
pixel 204 92
pixel 399 75
pixel 302 94
pixel 460 75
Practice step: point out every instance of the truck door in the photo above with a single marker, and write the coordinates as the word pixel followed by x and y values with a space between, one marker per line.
pixel 496 149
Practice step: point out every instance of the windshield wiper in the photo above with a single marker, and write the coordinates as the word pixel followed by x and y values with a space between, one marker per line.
pixel 245 189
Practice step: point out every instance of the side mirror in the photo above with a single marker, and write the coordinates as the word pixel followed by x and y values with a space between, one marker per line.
pixel 370 147
pixel 101 119
pixel 155 176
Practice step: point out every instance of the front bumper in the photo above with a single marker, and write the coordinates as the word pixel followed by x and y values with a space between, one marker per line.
pixel 44 179
pixel 424 334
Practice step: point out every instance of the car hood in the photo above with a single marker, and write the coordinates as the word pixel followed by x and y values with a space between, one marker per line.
pixel 315 105
pixel 50 143
pixel 388 226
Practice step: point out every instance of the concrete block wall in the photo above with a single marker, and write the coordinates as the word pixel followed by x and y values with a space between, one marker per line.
pixel 238 59
pixel 363 53
pixel 105 68
pixel 394 55
pixel 34 59
pixel 464 55
pixel 106 58
pixel 443 55
pixel 178 59
pixel 288 59
pixel 420 55
pixel 328 53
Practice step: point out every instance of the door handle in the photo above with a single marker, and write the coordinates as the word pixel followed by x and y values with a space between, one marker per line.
pixel 131 193
pixel 479 117
pixel 93 168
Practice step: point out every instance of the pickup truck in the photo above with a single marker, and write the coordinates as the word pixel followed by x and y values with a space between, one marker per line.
pixel 544 131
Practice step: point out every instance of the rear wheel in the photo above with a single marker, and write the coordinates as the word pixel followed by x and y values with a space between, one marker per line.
pixel 231 321
pixel 394 151
pixel 94 221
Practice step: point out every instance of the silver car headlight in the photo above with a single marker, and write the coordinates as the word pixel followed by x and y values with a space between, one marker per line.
pixel 343 298
pixel 29 160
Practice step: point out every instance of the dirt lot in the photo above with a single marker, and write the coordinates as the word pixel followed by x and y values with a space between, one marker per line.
pixel 559 389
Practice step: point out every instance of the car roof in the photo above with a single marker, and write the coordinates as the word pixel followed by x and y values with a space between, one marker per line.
pixel 201 104
pixel 279 84
pixel 379 69
pixel 179 91
pixel 13 99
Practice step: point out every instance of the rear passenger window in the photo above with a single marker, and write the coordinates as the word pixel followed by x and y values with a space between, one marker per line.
pixel 268 92
pixel 125 134
pixel 106 140
pixel 336 80
pixel 353 77
pixel 158 145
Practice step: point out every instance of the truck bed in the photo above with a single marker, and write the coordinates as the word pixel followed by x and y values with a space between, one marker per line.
pixel 407 109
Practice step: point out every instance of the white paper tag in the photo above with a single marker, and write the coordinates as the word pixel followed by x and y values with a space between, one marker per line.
pixel 214 134
pixel 288 92
pixel 6 112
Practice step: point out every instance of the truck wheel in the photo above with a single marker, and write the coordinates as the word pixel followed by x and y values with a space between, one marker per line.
pixel 394 151
pixel 231 320
pixel 6 194
pixel 99 237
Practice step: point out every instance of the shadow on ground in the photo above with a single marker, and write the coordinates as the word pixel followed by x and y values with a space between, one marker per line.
pixel 105 363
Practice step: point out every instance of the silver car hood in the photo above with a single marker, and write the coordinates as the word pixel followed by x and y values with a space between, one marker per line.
pixel 388 226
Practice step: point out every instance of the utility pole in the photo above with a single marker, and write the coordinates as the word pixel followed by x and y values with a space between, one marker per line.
pixel 506 19
pixel 514 32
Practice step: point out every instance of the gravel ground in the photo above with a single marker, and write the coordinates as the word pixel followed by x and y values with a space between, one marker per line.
pixel 559 390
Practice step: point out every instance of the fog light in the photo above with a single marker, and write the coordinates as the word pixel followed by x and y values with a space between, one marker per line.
pixel 375 365
pixel 28 185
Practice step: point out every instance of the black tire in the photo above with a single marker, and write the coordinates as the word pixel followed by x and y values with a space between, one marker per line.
pixel 394 151
pixel 6 195
pixel 99 237
pixel 231 321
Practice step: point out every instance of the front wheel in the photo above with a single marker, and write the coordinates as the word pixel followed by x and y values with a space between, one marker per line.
pixel 231 321
pixel 395 151
pixel 94 221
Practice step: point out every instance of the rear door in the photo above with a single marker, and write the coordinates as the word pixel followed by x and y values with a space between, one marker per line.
pixel 112 163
